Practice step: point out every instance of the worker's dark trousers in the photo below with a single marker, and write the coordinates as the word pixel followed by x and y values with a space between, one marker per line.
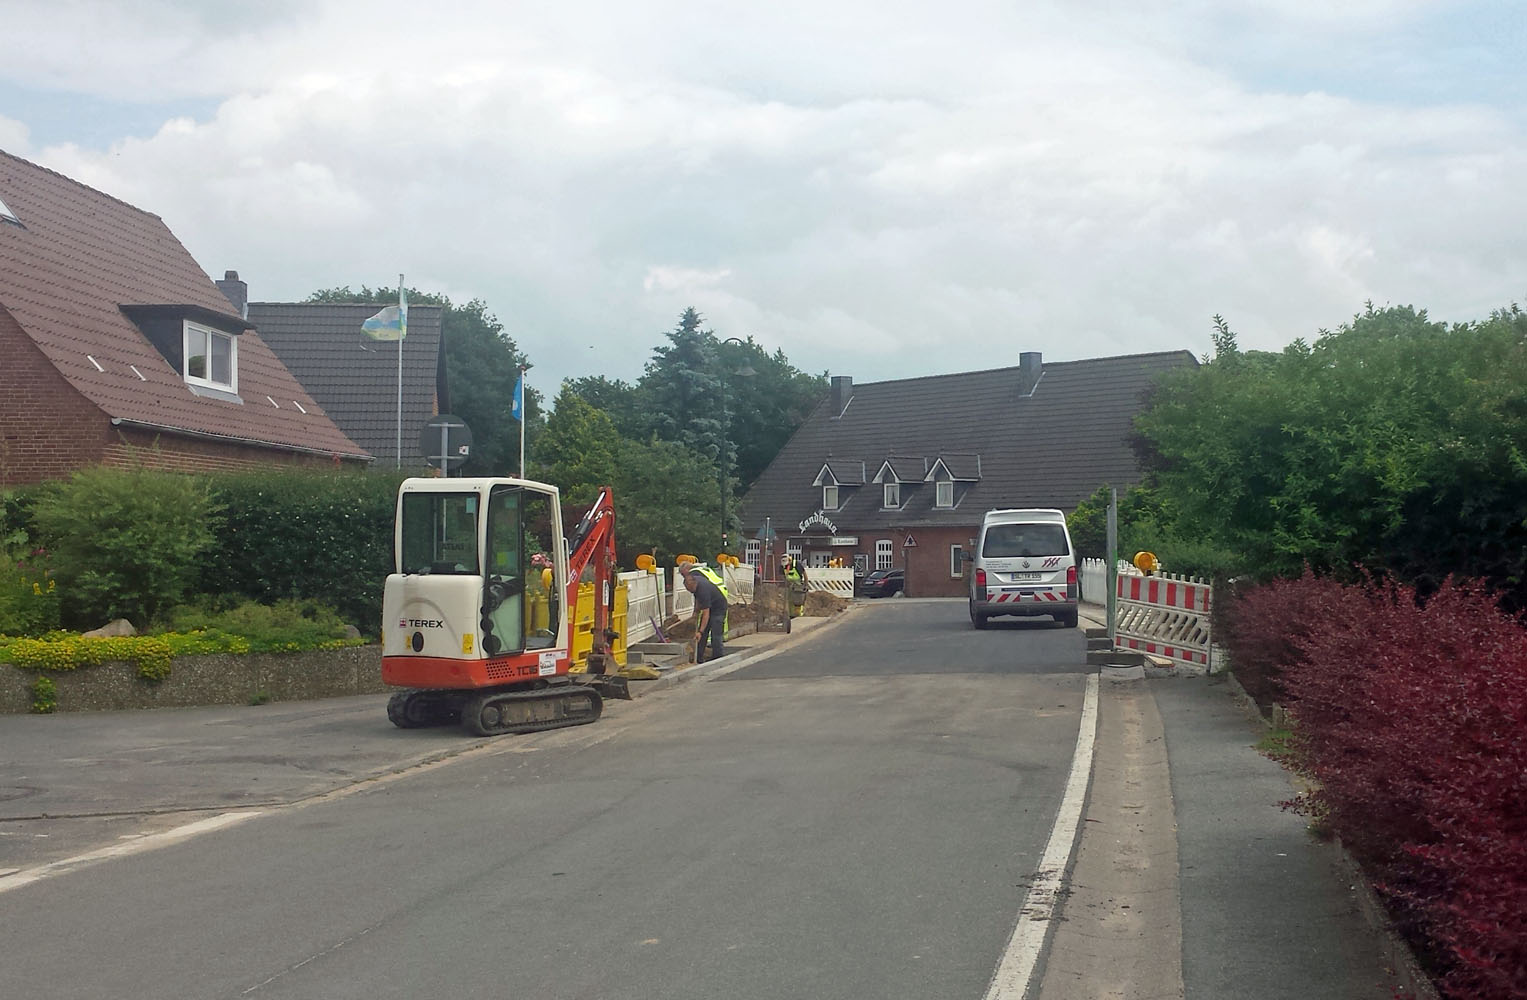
pixel 715 628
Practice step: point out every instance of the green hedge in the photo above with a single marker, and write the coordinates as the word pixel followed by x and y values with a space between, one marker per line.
pixel 324 536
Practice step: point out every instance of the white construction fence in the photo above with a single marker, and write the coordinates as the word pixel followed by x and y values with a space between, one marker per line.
pixel 838 581
pixel 1163 614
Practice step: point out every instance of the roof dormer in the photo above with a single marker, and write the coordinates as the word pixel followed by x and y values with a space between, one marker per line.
pixel 895 473
pixel 952 476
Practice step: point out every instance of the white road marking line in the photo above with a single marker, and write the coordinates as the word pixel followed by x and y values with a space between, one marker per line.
pixel 137 845
pixel 1011 980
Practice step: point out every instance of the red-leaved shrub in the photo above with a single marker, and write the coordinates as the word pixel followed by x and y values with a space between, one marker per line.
pixel 1262 627
pixel 1412 720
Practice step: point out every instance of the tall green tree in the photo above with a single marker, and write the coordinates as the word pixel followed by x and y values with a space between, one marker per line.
pixel 620 401
pixel 1393 443
pixel 482 366
pixel 580 448
pixel 666 502
pixel 766 406
pixel 665 493
pixel 726 399
pixel 682 390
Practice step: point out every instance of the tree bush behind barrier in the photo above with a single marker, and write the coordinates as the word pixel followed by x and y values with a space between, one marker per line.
pixel 1412 720
pixel 1394 443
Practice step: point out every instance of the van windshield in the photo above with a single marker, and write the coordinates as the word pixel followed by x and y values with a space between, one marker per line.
pixel 1008 541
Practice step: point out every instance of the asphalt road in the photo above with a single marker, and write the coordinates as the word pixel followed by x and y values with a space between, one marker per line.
pixel 856 816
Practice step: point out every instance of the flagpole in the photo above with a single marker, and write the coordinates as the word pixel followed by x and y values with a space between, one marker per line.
pixel 402 318
pixel 522 421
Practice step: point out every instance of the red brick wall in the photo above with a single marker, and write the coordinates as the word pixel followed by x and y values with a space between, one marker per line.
pixel 164 450
pixel 927 563
pixel 47 428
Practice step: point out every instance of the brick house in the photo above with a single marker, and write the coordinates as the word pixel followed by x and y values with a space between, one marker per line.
pixel 899 474
pixel 119 349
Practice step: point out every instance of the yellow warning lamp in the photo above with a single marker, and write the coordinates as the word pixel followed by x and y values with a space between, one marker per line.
pixel 1146 562
pixel 646 563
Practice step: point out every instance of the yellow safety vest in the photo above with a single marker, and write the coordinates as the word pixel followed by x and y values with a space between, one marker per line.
pixel 713 578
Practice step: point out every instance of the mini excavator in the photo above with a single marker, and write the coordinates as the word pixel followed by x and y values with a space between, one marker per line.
pixel 477 617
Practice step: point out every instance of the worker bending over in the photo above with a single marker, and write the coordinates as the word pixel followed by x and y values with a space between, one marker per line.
pixel 710 610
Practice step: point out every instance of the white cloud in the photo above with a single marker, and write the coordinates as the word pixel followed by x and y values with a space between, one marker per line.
pixel 14 136
pixel 877 190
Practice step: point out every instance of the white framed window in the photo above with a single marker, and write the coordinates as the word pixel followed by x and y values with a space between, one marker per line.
pixel 956 561
pixel 212 358
pixel 751 551
pixel 829 498
pixel 892 496
pixel 944 494
pixel 7 214
pixel 793 550
pixel 883 554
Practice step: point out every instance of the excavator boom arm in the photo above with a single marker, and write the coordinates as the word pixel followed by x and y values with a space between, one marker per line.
pixel 592 555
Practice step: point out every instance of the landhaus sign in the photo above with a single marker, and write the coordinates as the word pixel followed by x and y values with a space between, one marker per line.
pixel 819 518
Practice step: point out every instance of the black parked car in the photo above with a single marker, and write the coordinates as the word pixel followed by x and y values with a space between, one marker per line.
pixel 882 583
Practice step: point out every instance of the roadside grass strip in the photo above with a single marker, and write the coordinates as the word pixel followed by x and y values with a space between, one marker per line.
pixel 1019 958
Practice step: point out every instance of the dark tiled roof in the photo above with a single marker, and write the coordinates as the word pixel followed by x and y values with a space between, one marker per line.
pixel 847 472
pixel 963 467
pixel 67 272
pixel 903 469
pixel 1050 449
pixel 356 379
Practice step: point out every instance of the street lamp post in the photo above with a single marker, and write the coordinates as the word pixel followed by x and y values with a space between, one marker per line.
pixel 726 428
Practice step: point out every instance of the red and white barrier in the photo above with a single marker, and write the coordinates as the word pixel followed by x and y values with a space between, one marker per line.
pixel 1164 615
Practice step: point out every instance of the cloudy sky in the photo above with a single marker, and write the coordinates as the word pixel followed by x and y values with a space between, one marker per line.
pixel 882 189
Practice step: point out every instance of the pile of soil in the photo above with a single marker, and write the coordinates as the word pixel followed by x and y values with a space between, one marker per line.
pixel 821 604
pixel 770 599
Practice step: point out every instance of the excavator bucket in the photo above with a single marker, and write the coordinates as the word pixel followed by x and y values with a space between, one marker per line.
pixel 609 685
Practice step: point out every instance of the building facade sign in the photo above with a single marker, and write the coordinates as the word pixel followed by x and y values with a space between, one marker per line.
pixel 845 540
pixel 819 518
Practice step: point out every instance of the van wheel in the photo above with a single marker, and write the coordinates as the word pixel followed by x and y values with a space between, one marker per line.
pixel 1066 620
pixel 976 618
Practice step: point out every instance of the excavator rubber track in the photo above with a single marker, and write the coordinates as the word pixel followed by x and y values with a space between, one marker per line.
pixel 421 709
pixel 499 713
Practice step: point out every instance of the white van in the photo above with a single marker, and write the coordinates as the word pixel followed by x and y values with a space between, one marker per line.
pixel 1024 565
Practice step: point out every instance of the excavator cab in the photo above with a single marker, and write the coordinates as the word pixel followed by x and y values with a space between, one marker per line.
pixel 477 569
pixel 475 612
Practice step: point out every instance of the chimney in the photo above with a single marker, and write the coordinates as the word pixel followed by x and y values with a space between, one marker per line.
pixel 842 394
pixel 236 292
pixel 1030 367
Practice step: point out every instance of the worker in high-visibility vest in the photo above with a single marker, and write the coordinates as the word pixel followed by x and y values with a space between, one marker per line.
pixel 711 604
pixel 795 584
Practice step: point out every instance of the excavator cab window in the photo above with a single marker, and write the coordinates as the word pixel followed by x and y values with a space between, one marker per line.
pixel 519 606
pixel 542 589
pixel 439 533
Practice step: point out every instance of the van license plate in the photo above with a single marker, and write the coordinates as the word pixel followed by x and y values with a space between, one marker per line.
pixel 1027 577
